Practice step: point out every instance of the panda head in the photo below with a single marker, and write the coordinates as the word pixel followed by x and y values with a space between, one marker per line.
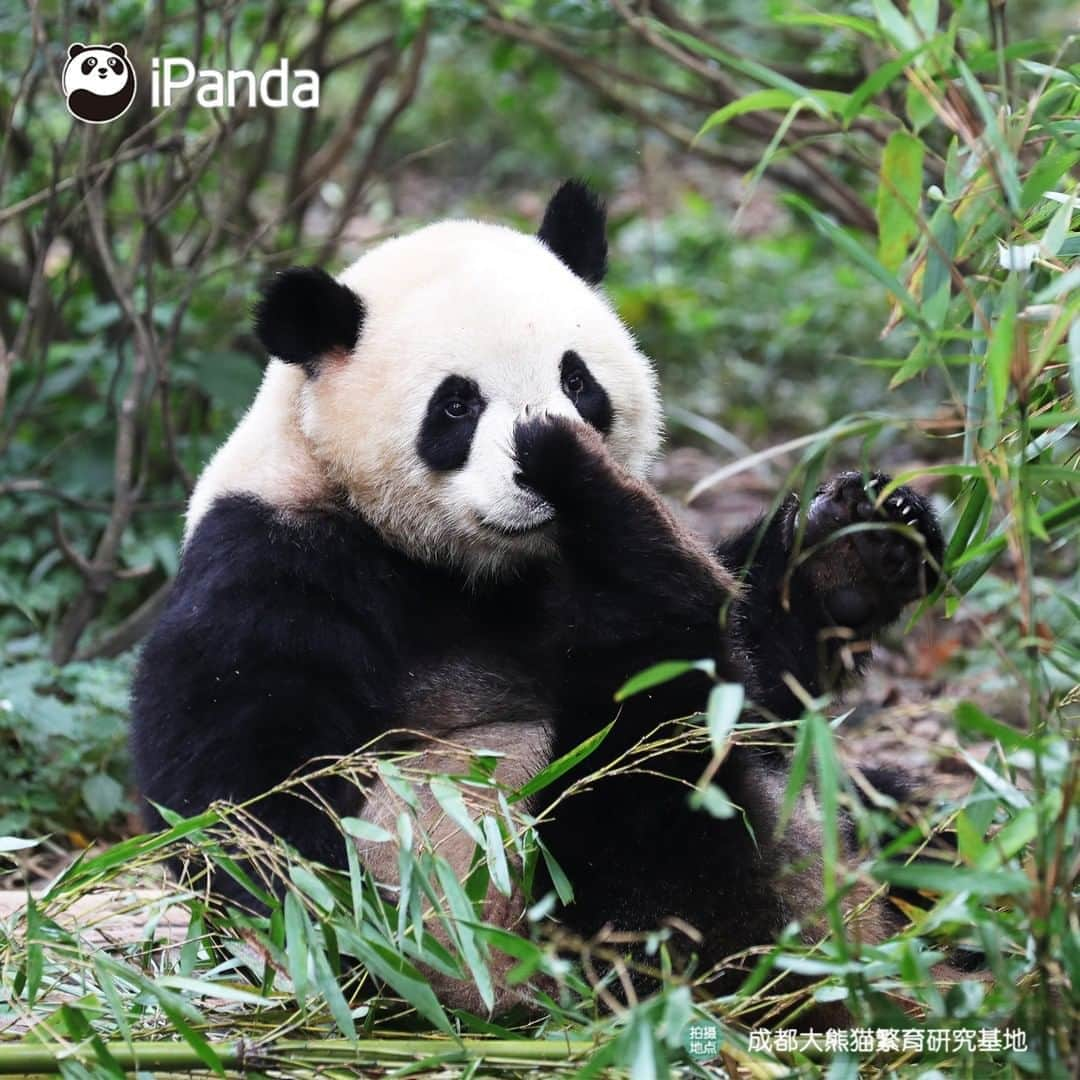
pixel 421 358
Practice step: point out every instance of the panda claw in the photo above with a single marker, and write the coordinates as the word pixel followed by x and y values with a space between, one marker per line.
pixel 881 567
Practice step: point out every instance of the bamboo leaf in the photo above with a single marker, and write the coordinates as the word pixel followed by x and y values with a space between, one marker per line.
pixel 999 355
pixel 395 971
pixel 898 197
pixel 659 674
pixel 462 914
pixel 860 256
pixel 563 888
pixel 759 101
pixel 1003 155
pixel 495 853
pixel 969 717
pixel 309 884
pixel 449 797
pixel 874 83
pixel 940 878
pixel 366 830
pixel 937 281
pixel 896 27
pixel 722 714
pixel 552 772
pixel 1074 357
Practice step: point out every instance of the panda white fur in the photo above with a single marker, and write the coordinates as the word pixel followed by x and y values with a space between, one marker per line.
pixel 435 517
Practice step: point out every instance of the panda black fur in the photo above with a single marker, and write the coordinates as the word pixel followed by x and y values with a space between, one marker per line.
pixel 434 517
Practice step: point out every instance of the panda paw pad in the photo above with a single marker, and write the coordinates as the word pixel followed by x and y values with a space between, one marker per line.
pixel 870 573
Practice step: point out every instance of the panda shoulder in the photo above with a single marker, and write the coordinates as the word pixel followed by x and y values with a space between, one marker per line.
pixel 253 553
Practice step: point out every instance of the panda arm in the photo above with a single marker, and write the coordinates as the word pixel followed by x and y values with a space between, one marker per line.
pixel 814 596
pixel 271 652
pixel 634 588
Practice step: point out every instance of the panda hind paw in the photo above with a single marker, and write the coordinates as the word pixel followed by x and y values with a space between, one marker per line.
pixel 868 575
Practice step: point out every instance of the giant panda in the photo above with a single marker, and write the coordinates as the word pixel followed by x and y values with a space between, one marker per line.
pixel 435 517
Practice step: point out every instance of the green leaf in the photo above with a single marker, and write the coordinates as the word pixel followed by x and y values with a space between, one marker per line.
pixel 969 717
pixel 758 101
pixel 1058 287
pixel 741 63
pixel 873 84
pixel 898 197
pixel 940 878
pixel 858 254
pixel 1050 72
pixel 937 280
pixel 1051 169
pixel 395 970
pixel 713 800
pixel 366 830
pixel 722 714
pixel 449 797
pixel 797 773
pixel 206 988
pixel 462 915
pixel 297 946
pixel 925 15
pixel 552 772
pixel 917 105
pixel 659 674
pixel 563 888
pixel 495 853
pixel 968 838
pixel 999 355
pixel 309 884
pixel 330 989
pixel 1006 160
pixel 103 796
pixel 829 22
pixel 896 27
pixel 1074 357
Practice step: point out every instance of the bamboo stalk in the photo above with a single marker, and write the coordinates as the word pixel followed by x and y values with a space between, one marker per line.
pixel 27 1058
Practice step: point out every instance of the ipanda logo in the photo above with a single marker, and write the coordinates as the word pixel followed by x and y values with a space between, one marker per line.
pixel 275 88
pixel 99 84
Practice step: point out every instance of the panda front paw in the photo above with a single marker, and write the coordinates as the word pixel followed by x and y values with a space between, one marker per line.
pixel 866 577
pixel 563 461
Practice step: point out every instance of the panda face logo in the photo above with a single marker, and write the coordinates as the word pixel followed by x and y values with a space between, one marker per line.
pixel 98 82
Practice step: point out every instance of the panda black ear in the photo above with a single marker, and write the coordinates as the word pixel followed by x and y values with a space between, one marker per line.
pixel 117 48
pixel 75 48
pixel 574 228
pixel 304 314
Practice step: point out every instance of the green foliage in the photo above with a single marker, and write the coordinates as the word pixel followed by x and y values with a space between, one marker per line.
pixel 740 326
pixel 63 743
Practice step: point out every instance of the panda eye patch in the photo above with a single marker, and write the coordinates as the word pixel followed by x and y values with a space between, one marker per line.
pixel 588 396
pixel 88 65
pixel 115 64
pixel 446 435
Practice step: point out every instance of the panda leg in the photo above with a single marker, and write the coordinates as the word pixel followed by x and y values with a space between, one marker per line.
pixel 816 593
